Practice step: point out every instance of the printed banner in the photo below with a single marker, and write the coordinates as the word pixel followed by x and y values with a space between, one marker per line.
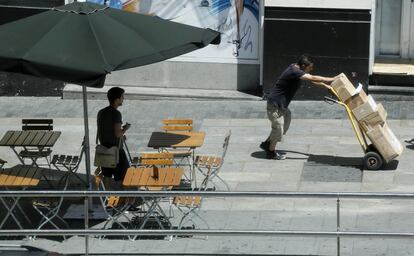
pixel 237 20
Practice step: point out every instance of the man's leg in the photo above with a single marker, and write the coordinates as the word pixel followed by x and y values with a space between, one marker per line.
pixel 276 116
pixel 287 118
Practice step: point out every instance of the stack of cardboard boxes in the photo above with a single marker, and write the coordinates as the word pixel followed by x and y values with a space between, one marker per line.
pixel 370 116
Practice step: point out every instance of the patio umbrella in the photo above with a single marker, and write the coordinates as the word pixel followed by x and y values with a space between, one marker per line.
pixel 82 42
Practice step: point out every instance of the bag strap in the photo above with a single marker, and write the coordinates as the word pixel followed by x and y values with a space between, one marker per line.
pixel 97 129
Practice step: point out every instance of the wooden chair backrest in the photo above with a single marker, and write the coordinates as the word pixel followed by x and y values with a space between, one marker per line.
pixel 37 124
pixel 155 158
pixel 170 125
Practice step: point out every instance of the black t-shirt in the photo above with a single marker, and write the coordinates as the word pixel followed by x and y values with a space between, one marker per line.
pixel 107 118
pixel 286 86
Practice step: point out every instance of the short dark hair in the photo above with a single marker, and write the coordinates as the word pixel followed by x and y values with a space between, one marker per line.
pixel 304 61
pixel 114 93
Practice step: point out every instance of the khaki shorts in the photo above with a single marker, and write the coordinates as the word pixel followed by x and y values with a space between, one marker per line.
pixel 280 120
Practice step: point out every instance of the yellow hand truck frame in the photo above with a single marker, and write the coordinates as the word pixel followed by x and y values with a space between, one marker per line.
pixel 372 158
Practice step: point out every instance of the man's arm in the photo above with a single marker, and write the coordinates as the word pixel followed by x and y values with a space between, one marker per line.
pixel 120 130
pixel 319 80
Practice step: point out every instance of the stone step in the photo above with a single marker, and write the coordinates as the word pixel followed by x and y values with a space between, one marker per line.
pixel 72 91
pixel 391 93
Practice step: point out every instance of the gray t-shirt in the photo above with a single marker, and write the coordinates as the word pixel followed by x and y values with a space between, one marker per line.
pixel 107 118
pixel 286 86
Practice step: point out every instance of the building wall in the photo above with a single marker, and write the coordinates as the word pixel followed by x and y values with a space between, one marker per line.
pixel 337 36
pixel 231 65
pixel 195 75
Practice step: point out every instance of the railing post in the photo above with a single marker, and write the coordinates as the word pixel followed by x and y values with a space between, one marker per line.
pixel 86 215
pixel 338 227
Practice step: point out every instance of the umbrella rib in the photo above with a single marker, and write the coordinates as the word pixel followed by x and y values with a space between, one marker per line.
pixel 100 48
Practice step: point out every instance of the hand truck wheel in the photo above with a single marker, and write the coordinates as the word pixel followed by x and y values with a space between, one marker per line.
pixel 372 161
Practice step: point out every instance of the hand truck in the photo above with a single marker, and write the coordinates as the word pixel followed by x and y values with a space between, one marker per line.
pixel 372 158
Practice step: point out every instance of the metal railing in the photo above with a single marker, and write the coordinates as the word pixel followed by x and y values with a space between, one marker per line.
pixel 148 194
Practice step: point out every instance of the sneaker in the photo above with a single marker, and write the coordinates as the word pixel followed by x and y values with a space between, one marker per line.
pixel 265 145
pixel 274 155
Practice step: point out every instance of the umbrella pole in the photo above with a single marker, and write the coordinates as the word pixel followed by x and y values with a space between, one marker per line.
pixel 86 145
pixel 87 163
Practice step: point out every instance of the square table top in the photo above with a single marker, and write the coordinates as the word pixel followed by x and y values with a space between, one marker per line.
pixel 30 138
pixel 176 139
pixel 146 177
pixel 20 176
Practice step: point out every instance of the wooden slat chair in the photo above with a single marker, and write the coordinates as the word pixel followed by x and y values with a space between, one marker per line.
pixel 71 163
pixel 36 125
pixel 114 206
pixel 175 125
pixel 2 162
pixel 154 159
pixel 182 157
pixel 189 206
pixel 49 208
pixel 210 165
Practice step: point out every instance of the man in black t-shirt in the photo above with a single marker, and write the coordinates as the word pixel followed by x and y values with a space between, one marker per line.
pixel 111 133
pixel 280 97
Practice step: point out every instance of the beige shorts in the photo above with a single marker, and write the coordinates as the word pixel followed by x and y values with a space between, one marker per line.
pixel 280 120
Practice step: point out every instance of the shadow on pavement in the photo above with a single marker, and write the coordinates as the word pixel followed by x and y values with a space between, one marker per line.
pixel 313 159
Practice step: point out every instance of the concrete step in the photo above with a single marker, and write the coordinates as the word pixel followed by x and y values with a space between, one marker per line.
pixel 391 93
pixel 73 91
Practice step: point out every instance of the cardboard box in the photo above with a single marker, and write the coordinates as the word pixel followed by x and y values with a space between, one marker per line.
pixel 365 109
pixel 385 142
pixel 374 119
pixel 357 100
pixel 343 87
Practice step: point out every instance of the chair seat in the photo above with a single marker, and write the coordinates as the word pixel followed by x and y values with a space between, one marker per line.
pixel 208 161
pixel 67 160
pixel 189 201
pixel 115 201
pixel 181 153
pixel 46 203
pixel 32 153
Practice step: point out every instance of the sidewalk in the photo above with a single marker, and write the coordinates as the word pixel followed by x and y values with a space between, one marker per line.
pixel 323 155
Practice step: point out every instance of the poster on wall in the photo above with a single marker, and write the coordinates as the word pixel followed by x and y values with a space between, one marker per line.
pixel 237 20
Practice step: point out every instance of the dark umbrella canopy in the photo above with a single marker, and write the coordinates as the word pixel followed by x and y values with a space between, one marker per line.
pixel 82 42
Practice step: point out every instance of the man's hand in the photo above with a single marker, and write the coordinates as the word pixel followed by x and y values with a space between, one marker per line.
pixel 126 126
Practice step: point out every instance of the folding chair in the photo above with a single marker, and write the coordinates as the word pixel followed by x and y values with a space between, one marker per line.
pixel 70 163
pixel 210 165
pixel 175 125
pixel 48 208
pixel 181 157
pixel 190 207
pixel 154 159
pixel 33 153
pixel 114 206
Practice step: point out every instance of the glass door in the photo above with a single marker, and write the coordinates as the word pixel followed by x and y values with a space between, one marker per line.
pixel 388 27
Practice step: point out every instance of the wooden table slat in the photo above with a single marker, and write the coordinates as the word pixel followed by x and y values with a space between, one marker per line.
pixel 53 138
pixel 20 176
pixel 21 136
pixel 38 138
pixel 45 139
pixel 35 178
pixel 29 138
pixel 3 176
pixel 6 138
